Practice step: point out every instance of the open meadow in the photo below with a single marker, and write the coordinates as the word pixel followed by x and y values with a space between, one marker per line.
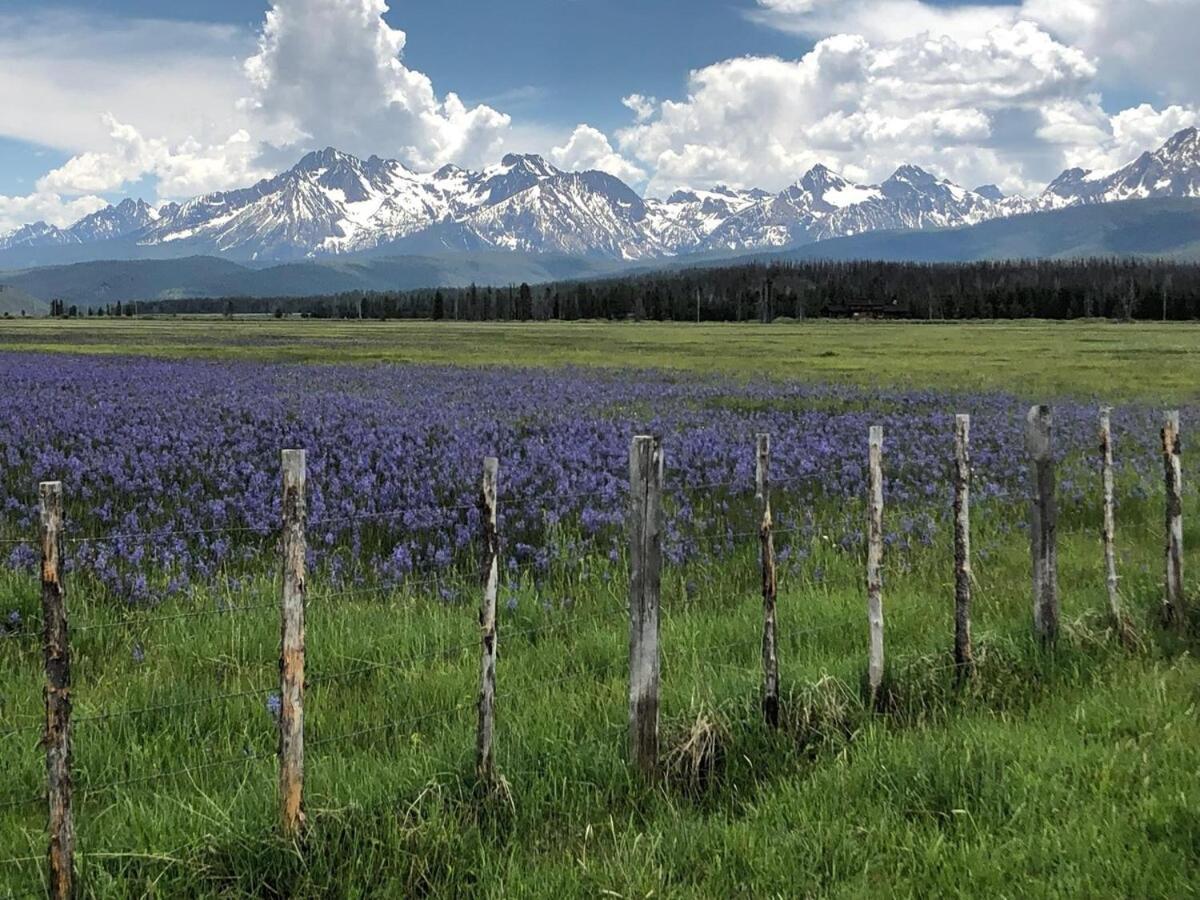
pixel 1062 768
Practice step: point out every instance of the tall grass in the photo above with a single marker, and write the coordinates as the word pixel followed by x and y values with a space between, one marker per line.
pixel 1060 771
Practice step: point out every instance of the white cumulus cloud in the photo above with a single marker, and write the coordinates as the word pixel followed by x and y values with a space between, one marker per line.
pixel 642 106
pixel 589 148
pixel 182 170
pixel 1141 44
pixel 200 108
pixel 331 72
pixel 1095 140
pixel 863 106
pixel 45 206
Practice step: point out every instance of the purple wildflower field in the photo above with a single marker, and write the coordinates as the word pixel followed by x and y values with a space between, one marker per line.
pixel 171 467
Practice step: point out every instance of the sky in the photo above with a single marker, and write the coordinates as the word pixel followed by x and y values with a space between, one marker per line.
pixel 167 99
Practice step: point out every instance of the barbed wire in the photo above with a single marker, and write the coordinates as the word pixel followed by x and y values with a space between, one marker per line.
pixel 455 578
pixel 269 531
pixel 244 759
pixel 12 802
pixel 396 665
pixel 384 726
pixel 502 635
pixel 325 678
pixel 505 502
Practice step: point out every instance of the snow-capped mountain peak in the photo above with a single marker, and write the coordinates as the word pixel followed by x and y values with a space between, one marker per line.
pixel 1173 170
pixel 1183 146
pixel 331 202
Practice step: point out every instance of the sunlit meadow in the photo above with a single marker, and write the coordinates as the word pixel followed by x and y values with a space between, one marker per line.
pixel 171 475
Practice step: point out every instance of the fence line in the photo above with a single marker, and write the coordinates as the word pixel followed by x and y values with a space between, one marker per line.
pixel 646 527
pixel 274 531
pixel 320 679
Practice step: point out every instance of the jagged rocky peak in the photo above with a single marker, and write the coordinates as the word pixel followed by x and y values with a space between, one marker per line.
pixel 331 202
pixel 913 175
pixel 1184 143
pixel 35 234
pixel 719 195
pixel 1068 181
pixel 1173 170
pixel 328 158
pixel 531 163
pixel 819 179
pixel 112 221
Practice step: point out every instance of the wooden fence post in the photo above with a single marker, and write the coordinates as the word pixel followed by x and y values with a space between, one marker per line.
pixel 1108 528
pixel 963 658
pixel 645 580
pixel 291 659
pixel 770 657
pixel 485 767
pixel 57 654
pixel 875 560
pixel 1174 611
pixel 1043 523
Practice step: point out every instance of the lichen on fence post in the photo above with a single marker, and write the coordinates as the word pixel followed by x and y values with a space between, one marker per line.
pixel 57 654
pixel 875 560
pixel 291 658
pixel 963 657
pixel 645 580
pixel 1174 611
pixel 1108 527
pixel 770 653
pixel 485 767
pixel 1043 523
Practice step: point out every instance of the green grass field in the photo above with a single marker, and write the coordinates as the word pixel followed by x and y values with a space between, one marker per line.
pixel 1066 771
pixel 1118 361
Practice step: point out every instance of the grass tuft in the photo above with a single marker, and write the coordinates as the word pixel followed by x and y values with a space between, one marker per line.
pixel 695 757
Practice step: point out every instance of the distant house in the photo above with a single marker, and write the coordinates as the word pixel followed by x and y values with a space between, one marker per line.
pixel 867 309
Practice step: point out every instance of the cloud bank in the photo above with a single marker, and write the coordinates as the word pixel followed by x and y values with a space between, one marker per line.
pixel 976 92
pixel 1011 93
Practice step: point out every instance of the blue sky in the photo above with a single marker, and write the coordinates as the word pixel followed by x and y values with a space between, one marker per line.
pixel 101 99
pixel 541 59
pixel 573 60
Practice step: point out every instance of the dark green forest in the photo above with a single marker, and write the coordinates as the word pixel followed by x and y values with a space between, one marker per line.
pixel 1109 288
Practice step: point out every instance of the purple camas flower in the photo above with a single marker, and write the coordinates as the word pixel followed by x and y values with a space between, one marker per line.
pixel 394 456
pixel 138 654
pixel 274 704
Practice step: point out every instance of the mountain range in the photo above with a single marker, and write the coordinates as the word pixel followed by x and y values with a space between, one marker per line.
pixel 333 207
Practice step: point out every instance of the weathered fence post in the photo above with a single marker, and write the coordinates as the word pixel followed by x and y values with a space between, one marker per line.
pixel 291 659
pixel 645 579
pixel 963 658
pixel 1043 523
pixel 485 767
pixel 770 658
pixel 875 560
pixel 1108 528
pixel 57 654
pixel 1174 611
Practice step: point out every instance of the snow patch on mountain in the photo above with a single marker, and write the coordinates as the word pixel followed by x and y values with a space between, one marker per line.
pixel 331 203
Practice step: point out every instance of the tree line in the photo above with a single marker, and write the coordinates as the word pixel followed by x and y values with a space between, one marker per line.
pixel 59 310
pixel 761 291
